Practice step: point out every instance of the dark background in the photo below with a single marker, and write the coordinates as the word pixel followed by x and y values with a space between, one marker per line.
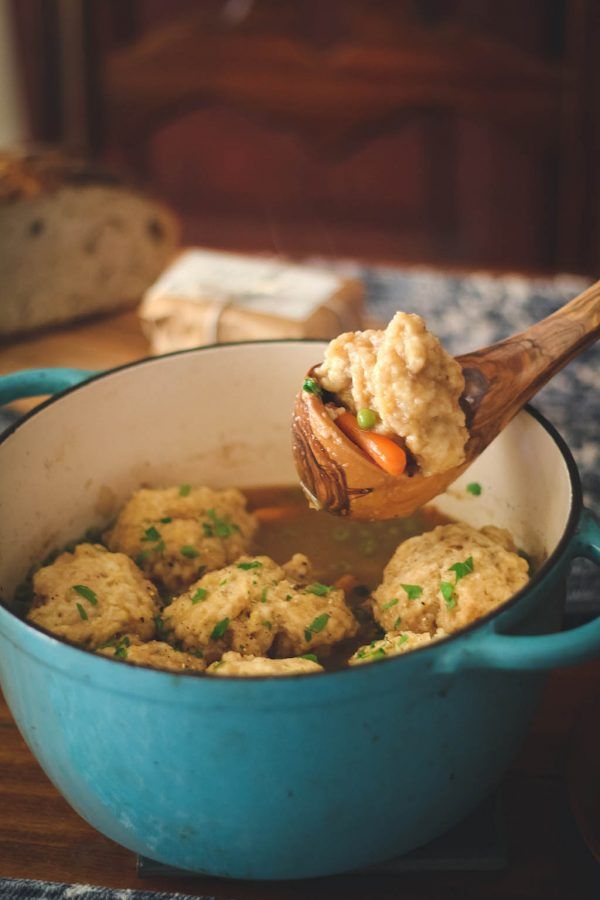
pixel 454 132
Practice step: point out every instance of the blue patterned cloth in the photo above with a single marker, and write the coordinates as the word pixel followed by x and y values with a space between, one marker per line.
pixel 24 889
pixel 472 311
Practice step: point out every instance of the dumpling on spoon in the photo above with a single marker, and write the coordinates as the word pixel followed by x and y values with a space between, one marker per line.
pixel 401 384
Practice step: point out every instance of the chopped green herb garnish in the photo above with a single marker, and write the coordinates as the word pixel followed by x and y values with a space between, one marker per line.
pixel 220 629
pixel 366 418
pixel 86 592
pixel 184 490
pixel 312 386
pixel 267 624
pixel 310 656
pixel 316 625
pixel 321 590
pixel 390 603
pixel 251 565
pixel 447 590
pixel 189 552
pixel 462 568
pixel 151 534
pixel 221 583
pixel 378 654
pixel 198 653
pixel 413 591
pixel 198 595
pixel 474 488
pixel 288 597
pixel 223 528
pixel 82 611
pixel 166 520
pixel 142 557
pixel 207 529
pixel 402 639
pixel 397 623
pixel 263 596
pixel 121 648
pixel 161 629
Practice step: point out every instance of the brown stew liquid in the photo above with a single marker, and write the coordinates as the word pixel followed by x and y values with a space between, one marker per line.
pixel 335 547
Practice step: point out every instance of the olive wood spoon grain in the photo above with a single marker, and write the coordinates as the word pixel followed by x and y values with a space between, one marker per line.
pixel 337 476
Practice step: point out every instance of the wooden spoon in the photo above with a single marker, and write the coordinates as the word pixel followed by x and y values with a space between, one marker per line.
pixel 338 477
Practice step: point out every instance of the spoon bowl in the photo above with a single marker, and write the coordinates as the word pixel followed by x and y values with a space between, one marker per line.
pixel 338 477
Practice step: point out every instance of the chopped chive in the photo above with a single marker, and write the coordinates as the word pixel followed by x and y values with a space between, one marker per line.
pixel 222 527
pixel 161 629
pixel 310 656
pixel 86 592
pixel 413 591
pixel 142 557
pixel 288 597
pixel 82 611
pixel 397 623
pixel 462 568
pixel 321 590
pixel 220 629
pixel 151 534
pixel 263 596
pixel 184 490
pixel 225 581
pixel 198 595
pixel 207 529
pixel 447 590
pixel 316 625
pixel 474 488
pixel 390 603
pixel 189 552
pixel 250 565
pixel 267 624
pixel 166 519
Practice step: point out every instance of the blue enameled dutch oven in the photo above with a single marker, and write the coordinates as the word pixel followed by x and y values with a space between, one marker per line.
pixel 268 778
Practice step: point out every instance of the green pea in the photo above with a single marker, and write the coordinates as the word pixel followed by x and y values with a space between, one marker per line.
pixel 312 386
pixel 366 418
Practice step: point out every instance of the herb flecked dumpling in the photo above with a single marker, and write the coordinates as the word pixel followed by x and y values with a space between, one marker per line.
pixel 91 596
pixel 255 606
pixel 177 534
pixel 447 578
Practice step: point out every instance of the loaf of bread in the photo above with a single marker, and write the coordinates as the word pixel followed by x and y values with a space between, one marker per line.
pixel 74 241
pixel 208 296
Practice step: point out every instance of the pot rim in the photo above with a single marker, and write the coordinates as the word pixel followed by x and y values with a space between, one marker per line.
pixel 545 569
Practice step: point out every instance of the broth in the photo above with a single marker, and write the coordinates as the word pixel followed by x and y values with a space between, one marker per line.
pixel 335 546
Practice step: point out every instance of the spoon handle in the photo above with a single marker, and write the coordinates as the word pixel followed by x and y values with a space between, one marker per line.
pixel 501 378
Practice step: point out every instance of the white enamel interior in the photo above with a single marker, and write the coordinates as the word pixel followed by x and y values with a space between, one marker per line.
pixel 221 416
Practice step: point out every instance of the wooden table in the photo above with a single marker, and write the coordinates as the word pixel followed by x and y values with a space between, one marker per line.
pixel 42 838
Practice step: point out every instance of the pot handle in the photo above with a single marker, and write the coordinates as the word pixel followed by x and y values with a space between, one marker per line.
pixel 491 650
pixel 38 382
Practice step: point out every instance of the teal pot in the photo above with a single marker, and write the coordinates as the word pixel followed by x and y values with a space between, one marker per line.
pixel 269 778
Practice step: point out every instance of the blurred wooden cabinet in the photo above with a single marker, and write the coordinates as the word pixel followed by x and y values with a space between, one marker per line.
pixel 449 131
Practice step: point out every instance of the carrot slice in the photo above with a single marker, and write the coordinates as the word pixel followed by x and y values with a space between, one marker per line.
pixel 275 513
pixel 383 450
pixel 347 583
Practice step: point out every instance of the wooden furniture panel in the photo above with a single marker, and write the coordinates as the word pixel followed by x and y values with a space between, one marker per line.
pixel 461 131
